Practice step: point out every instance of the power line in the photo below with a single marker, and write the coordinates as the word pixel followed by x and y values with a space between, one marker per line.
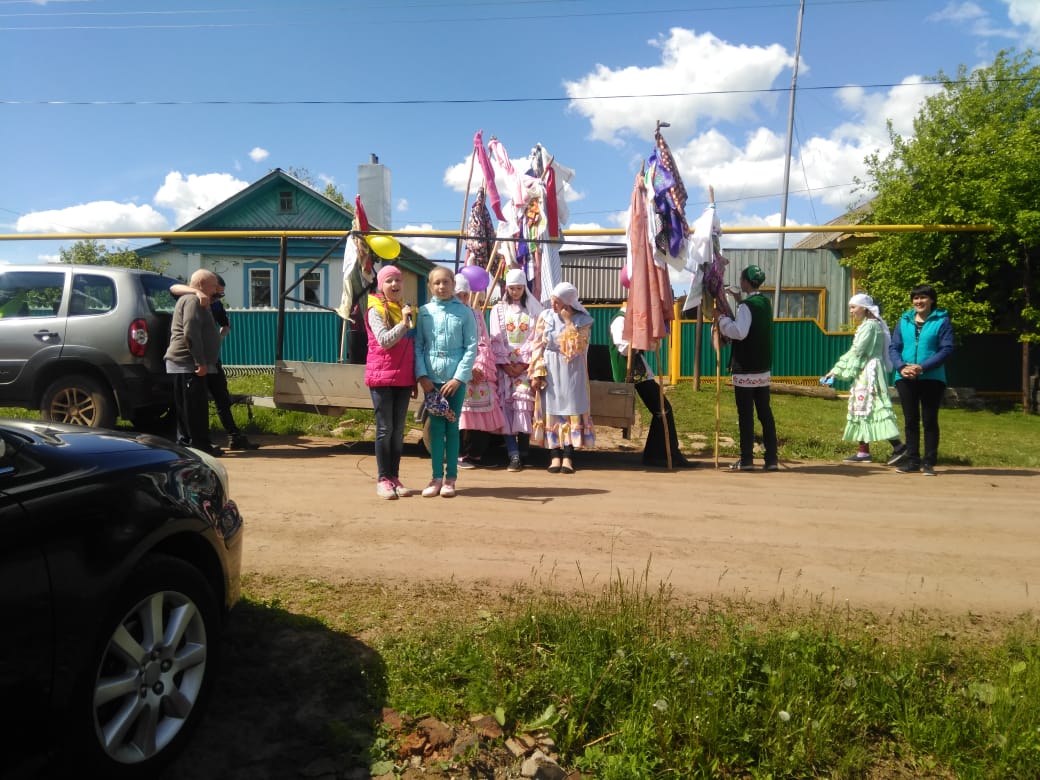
pixel 455 101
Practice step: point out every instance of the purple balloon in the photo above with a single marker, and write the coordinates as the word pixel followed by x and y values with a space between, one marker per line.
pixel 476 276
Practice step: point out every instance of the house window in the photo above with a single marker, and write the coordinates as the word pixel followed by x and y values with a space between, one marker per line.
pixel 286 202
pixel 797 303
pixel 261 283
pixel 311 288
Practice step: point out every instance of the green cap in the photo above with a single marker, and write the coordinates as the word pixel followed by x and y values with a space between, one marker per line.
pixel 754 274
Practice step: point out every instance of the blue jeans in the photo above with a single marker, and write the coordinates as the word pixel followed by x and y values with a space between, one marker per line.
pixel 391 408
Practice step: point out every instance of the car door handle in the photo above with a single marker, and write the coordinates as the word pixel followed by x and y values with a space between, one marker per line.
pixel 46 336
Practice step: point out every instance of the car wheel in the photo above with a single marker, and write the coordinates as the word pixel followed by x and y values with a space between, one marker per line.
pixel 150 677
pixel 80 400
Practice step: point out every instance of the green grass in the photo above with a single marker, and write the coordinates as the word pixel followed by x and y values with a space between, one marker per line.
pixel 807 428
pixel 632 682
pixel 811 429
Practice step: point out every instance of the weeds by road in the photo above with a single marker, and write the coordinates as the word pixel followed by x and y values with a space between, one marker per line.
pixel 629 682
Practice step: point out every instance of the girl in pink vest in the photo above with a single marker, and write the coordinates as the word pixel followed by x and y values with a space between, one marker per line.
pixel 390 376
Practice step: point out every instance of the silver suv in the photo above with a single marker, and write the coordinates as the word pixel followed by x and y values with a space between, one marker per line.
pixel 84 344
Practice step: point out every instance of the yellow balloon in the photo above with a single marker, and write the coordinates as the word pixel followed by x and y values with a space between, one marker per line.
pixel 387 247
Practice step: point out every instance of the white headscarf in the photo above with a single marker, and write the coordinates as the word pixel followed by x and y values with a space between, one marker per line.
pixel 462 284
pixel 515 276
pixel 568 293
pixel 866 302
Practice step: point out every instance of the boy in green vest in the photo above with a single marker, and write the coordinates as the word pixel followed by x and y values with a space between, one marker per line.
pixel 750 366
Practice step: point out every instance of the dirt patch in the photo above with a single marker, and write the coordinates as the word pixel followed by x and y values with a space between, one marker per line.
pixel 818 534
pixel 897 555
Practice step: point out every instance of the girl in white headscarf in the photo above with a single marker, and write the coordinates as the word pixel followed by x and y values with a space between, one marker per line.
pixel 560 377
pixel 511 327
pixel 865 365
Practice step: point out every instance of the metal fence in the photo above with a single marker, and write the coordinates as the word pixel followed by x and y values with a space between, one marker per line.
pixel 802 351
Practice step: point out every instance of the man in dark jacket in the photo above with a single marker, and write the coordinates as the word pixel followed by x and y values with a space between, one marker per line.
pixel 662 433
pixel 750 366
pixel 193 353
pixel 216 380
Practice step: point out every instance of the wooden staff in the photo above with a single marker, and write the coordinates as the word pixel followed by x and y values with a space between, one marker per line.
pixel 718 390
pixel 465 203
pixel 717 343
pixel 664 417
pixel 499 271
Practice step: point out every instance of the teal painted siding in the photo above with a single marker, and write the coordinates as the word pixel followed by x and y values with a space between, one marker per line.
pixel 800 348
pixel 309 335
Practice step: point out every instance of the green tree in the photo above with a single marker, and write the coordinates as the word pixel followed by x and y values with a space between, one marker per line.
pixel 90 252
pixel 974 158
pixel 331 191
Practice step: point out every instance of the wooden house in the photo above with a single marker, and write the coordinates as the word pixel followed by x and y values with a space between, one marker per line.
pixel 250 266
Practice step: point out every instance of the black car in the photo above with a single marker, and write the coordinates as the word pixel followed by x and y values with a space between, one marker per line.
pixel 119 564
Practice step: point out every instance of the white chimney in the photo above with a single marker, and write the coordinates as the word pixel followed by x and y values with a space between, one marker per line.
pixel 374 188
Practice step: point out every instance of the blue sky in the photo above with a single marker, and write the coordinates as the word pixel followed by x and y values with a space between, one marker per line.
pixel 121 119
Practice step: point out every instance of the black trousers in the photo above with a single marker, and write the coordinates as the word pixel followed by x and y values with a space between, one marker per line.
pixel 921 399
pixel 191 402
pixel 752 401
pixel 657 438
pixel 216 381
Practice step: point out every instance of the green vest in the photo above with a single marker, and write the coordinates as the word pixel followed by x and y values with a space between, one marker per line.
pixel 754 353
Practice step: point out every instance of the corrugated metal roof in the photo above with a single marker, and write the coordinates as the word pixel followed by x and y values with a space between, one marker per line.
pixel 831 240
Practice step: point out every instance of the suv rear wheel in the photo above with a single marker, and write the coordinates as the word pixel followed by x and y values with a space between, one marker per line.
pixel 80 400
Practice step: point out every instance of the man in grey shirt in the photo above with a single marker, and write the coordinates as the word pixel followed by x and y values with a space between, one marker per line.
pixel 193 352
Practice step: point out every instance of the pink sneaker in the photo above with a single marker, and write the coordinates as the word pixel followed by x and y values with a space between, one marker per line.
pixel 401 490
pixel 433 489
pixel 448 490
pixel 385 489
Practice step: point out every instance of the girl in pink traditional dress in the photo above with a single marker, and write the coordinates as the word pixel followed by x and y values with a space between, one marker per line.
pixel 512 329
pixel 481 413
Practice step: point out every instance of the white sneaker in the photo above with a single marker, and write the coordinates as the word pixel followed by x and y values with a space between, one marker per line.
pixel 448 489
pixel 385 489
pixel 401 490
pixel 433 489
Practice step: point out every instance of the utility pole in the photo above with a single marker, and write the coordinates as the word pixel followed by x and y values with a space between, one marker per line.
pixel 787 159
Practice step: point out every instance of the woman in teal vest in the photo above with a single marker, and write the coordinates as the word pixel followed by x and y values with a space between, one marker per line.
pixel 921 343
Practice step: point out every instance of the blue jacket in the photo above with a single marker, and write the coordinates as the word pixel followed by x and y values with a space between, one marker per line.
pixel 445 341
pixel 929 350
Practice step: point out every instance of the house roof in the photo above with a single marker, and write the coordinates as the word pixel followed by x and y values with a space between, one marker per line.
pixel 260 206
pixel 837 240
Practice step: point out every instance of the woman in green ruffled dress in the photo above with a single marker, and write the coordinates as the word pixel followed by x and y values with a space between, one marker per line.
pixel 871 416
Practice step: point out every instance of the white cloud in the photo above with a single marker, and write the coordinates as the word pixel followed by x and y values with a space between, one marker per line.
pixel 976 19
pixel 402 204
pixel 103 216
pixel 258 154
pixel 430 248
pixel 1027 13
pixel 189 197
pixel 721 76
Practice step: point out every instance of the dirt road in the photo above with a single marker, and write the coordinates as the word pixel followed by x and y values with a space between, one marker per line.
pixel 827 533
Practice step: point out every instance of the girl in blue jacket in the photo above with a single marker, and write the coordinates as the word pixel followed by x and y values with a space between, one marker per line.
pixel 445 350
pixel 921 342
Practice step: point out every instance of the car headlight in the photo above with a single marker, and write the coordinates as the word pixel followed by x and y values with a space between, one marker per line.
pixel 218 469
